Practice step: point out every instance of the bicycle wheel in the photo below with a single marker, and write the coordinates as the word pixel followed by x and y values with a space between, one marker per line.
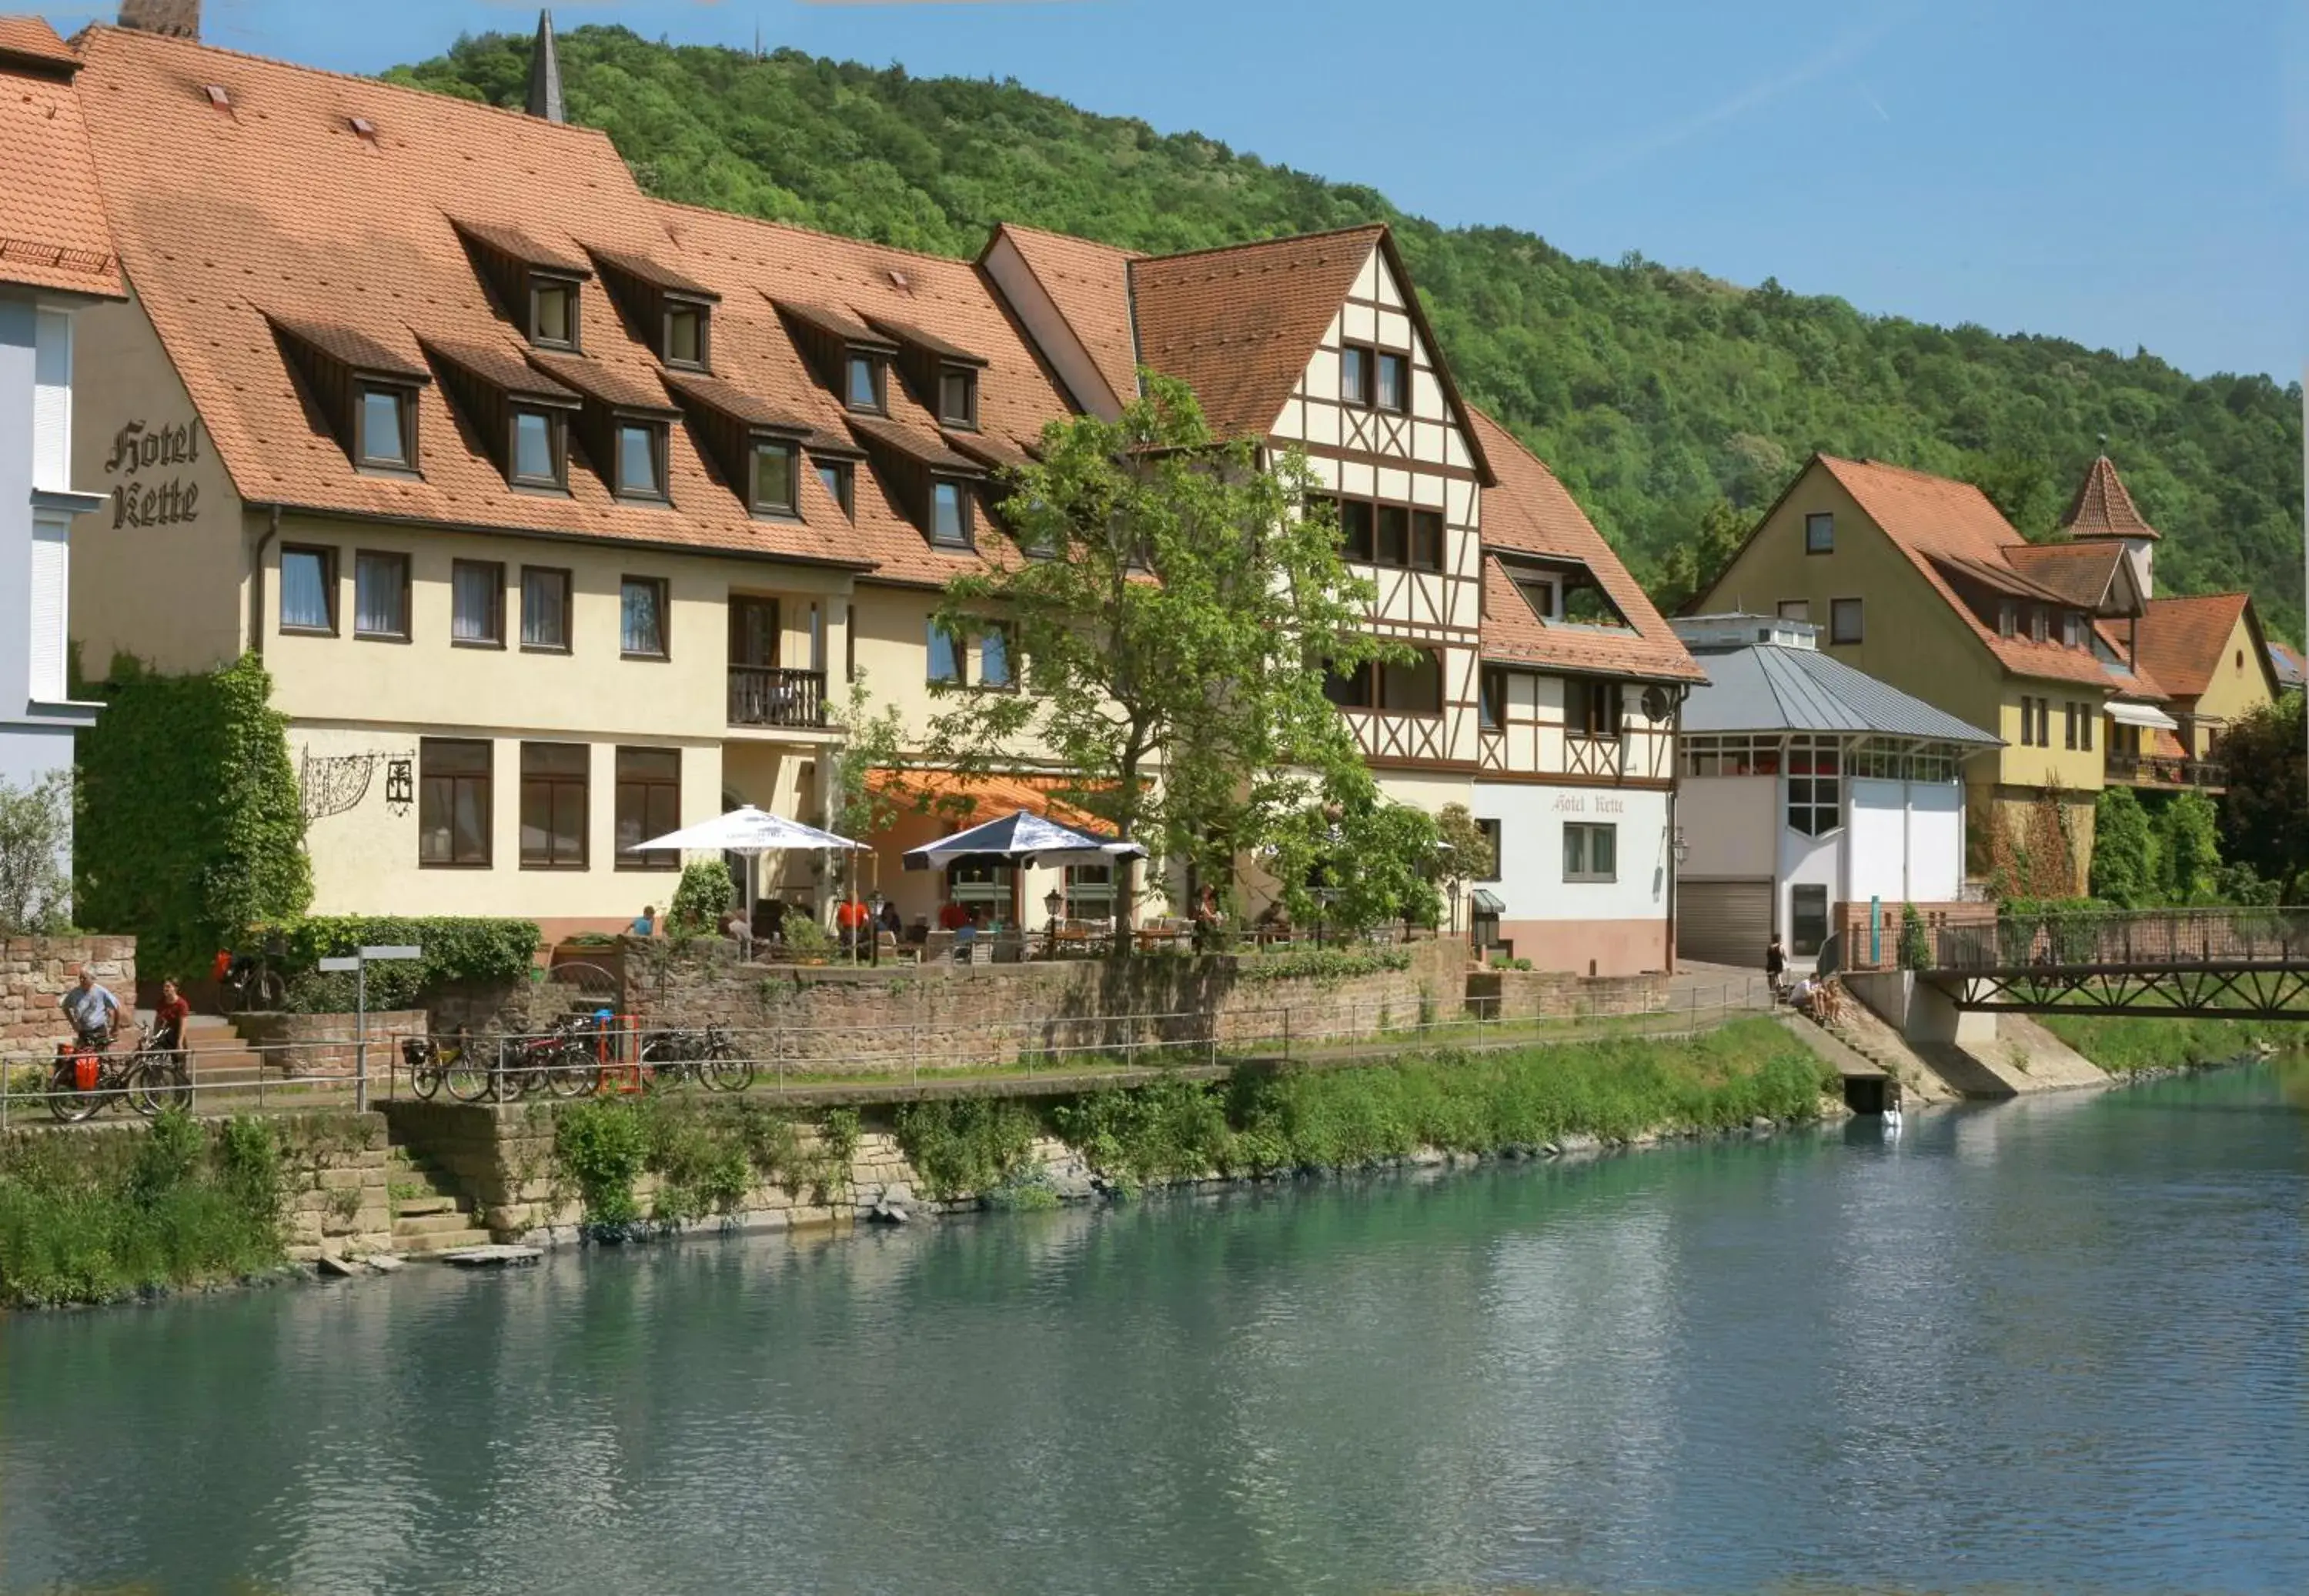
pixel 267 992
pixel 465 1076
pixel 572 1071
pixel 724 1070
pixel 66 1100
pixel 158 1083
pixel 663 1068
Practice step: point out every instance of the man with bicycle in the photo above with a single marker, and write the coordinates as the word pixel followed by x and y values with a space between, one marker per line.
pixel 93 1010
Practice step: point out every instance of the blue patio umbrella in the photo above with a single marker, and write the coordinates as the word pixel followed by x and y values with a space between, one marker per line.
pixel 1025 839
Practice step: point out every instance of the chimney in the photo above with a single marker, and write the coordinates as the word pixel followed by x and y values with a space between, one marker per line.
pixel 173 19
pixel 545 74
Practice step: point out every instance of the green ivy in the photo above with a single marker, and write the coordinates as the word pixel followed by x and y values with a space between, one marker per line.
pixel 189 827
pixel 965 1144
pixel 1323 963
pixel 457 948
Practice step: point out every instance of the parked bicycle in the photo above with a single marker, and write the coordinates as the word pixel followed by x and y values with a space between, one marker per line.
pixel 562 1063
pixel 705 1056
pixel 455 1061
pixel 90 1076
pixel 246 983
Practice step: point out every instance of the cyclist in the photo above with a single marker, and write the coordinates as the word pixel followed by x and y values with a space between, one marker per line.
pixel 91 1009
pixel 169 1017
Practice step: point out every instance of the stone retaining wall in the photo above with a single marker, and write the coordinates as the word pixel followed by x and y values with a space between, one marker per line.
pixel 1557 995
pixel 307 1045
pixel 35 970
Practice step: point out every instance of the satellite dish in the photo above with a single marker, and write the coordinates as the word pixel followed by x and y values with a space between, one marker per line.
pixel 1655 703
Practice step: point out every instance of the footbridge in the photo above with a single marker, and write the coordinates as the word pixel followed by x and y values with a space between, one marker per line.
pixel 2213 963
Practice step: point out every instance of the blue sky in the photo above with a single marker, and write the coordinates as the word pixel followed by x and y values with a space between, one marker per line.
pixel 2126 173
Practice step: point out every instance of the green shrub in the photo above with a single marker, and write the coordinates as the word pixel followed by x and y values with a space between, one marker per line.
pixel 189 826
pixel 456 949
pixel 603 1147
pixel 703 900
pixel 967 1144
pixel 2124 850
pixel 1321 963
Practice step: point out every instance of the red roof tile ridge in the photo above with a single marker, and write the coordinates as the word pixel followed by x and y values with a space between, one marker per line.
pixel 139 38
pixel 1035 232
pixel 1372 228
pixel 29 39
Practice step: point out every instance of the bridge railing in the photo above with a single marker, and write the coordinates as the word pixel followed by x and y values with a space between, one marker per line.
pixel 2133 939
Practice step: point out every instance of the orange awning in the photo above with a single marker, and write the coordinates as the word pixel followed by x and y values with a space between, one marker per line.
pixel 990 797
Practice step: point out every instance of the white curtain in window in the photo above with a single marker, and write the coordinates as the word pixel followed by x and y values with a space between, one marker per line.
pixel 303 591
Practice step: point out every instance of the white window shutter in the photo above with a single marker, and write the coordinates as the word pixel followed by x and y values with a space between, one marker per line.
pixel 51 608
pixel 52 400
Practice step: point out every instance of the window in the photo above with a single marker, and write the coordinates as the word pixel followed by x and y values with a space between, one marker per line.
pixel 1355 375
pixel 1350 689
pixel 1356 517
pixel 1707 756
pixel 835 476
pixel 2027 721
pixel 2039 624
pixel 1807 920
pixel 640 459
pixel 1815 786
pixel 1591 708
pixel 545 609
pixel 641 620
pixel 1413 688
pixel 1488 869
pixel 849 643
pixel 308 590
pixel 2008 619
pixel 775 487
pixel 1590 853
pixel 2073 630
pixel 2069 723
pixel 1395 382
pixel 1427 539
pixel 2087 713
pixel 958 396
pixel 1394 535
pixel 649 804
pixel 553 312
pixel 685 335
pixel 540 454
pixel 1540 593
pixel 387 423
pixel 946 657
pixel 1090 892
pixel 1796 609
pixel 452 803
pixel 1492 700
pixel 553 805
pixel 381 596
pixel 1820 534
pixel 862 383
pixel 994 655
pixel 1844 620
pixel 982 885
pixel 949 513
pixel 476 604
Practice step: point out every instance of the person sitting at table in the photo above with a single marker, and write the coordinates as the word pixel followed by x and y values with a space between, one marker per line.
pixel 890 921
pixel 769 919
pixel 952 916
pixel 967 931
pixel 850 920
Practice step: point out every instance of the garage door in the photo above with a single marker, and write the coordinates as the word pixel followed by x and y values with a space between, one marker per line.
pixel 1723 922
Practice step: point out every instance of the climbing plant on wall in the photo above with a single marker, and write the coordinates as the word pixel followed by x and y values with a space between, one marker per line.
pixel 189 830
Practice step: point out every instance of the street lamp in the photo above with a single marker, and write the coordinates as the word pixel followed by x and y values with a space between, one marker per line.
pixel 1052 902
pixel 1323 896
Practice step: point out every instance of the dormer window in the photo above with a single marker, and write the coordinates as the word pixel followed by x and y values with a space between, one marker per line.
pixel 958 396
pixel 862 383
pixel 840 482
pixel 552 312
pixel 384 428
pixel 1540 593
pixel 949 513
pixel 539 449
pixel 775 491
pixel 686 325
pixel 639 463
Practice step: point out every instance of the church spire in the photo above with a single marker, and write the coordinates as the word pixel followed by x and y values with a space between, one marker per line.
pixel 545 74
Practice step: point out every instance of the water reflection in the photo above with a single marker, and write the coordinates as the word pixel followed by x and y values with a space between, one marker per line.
pixel 2055 1342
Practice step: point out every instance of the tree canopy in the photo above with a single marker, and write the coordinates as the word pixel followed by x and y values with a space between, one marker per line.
pixel 1653 392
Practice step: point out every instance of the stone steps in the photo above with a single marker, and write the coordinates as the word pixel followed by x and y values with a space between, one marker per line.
pixel 410 1226
pixel 425 1207
pixel 440 1241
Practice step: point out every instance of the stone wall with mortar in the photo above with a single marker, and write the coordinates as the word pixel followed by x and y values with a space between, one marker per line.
pixel 305 1044
pixel 1509 994
pixel 338 1169
pixel 35 970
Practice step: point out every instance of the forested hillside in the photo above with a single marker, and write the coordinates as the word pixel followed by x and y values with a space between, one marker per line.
pixel 1654 393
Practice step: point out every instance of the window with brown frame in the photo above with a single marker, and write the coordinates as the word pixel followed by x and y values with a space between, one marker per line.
pixel 2069 723
pixel 381 596
pixel 544 609
pixel 2008 619
pixel 775 491
pixel 384 428
pixel 476 604
pixel 639 460
pixel 1394 386
pixel 1844 620
pixel 1591 707
pixel 1391 535
pixel 864 383
pixel 949 513
pixel 1355 374
pixel 958 396
pixel 2039 624
pixel 642 621
pixel 308 590
pixel 1492 700
pixel 840 482
pixel 2091 713
pixel 553 781
pixel 1819 533
pixel 1409 687
pixel 649 804
pixel 849 643
pixel 452 803
pixel 552 311
pixel 539 448
pixel 687 335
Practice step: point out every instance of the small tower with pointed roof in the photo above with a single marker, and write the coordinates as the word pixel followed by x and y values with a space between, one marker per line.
pixel 2104 509
pixel 545 74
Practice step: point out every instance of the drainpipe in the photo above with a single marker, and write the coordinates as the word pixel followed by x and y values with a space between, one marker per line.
pixel 256 583
pixel 1675 788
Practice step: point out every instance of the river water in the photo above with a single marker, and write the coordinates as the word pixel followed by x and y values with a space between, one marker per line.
pixel 2051 1344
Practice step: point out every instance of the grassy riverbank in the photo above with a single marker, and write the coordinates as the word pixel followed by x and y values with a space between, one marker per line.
pixel 1266 1123
pixel 2123 1044
pixel 96 1217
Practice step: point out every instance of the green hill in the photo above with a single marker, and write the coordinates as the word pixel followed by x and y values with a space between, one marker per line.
pixel 1654 393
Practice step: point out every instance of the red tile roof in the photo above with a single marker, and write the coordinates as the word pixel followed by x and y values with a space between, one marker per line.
pixel 2102 508
pixel 1529 512
pixel 1090 285
pixel 53 229
pixel 1936 520
pixel 1240 324
pixel 2182 639
pixel 2078 574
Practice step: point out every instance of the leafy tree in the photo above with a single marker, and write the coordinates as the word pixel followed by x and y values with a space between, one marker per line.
pixel 702 898
pixel 873 740
pixel 1690 565
pixel 190 827
pixel 2124 850
pixel 1211 674
pixel 1466 853
pixel 1375 861
pixel 1652 391
pixel 35 836
pixel 2265 813
pixel 2188 848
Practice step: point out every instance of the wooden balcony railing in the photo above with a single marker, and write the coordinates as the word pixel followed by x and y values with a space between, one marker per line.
pixel 1594 755
pixel 2147 770
pixel 764 696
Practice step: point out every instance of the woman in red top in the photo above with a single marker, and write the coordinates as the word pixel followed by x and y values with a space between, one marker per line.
pixel 169 1017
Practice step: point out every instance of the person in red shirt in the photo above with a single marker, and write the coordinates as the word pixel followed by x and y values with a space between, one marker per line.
pixel 169 1017
pixel 953 916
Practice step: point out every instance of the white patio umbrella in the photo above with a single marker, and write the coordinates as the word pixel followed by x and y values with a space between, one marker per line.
pixel 751 831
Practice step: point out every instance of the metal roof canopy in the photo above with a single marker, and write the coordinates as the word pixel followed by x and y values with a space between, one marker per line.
pixel 1764 688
